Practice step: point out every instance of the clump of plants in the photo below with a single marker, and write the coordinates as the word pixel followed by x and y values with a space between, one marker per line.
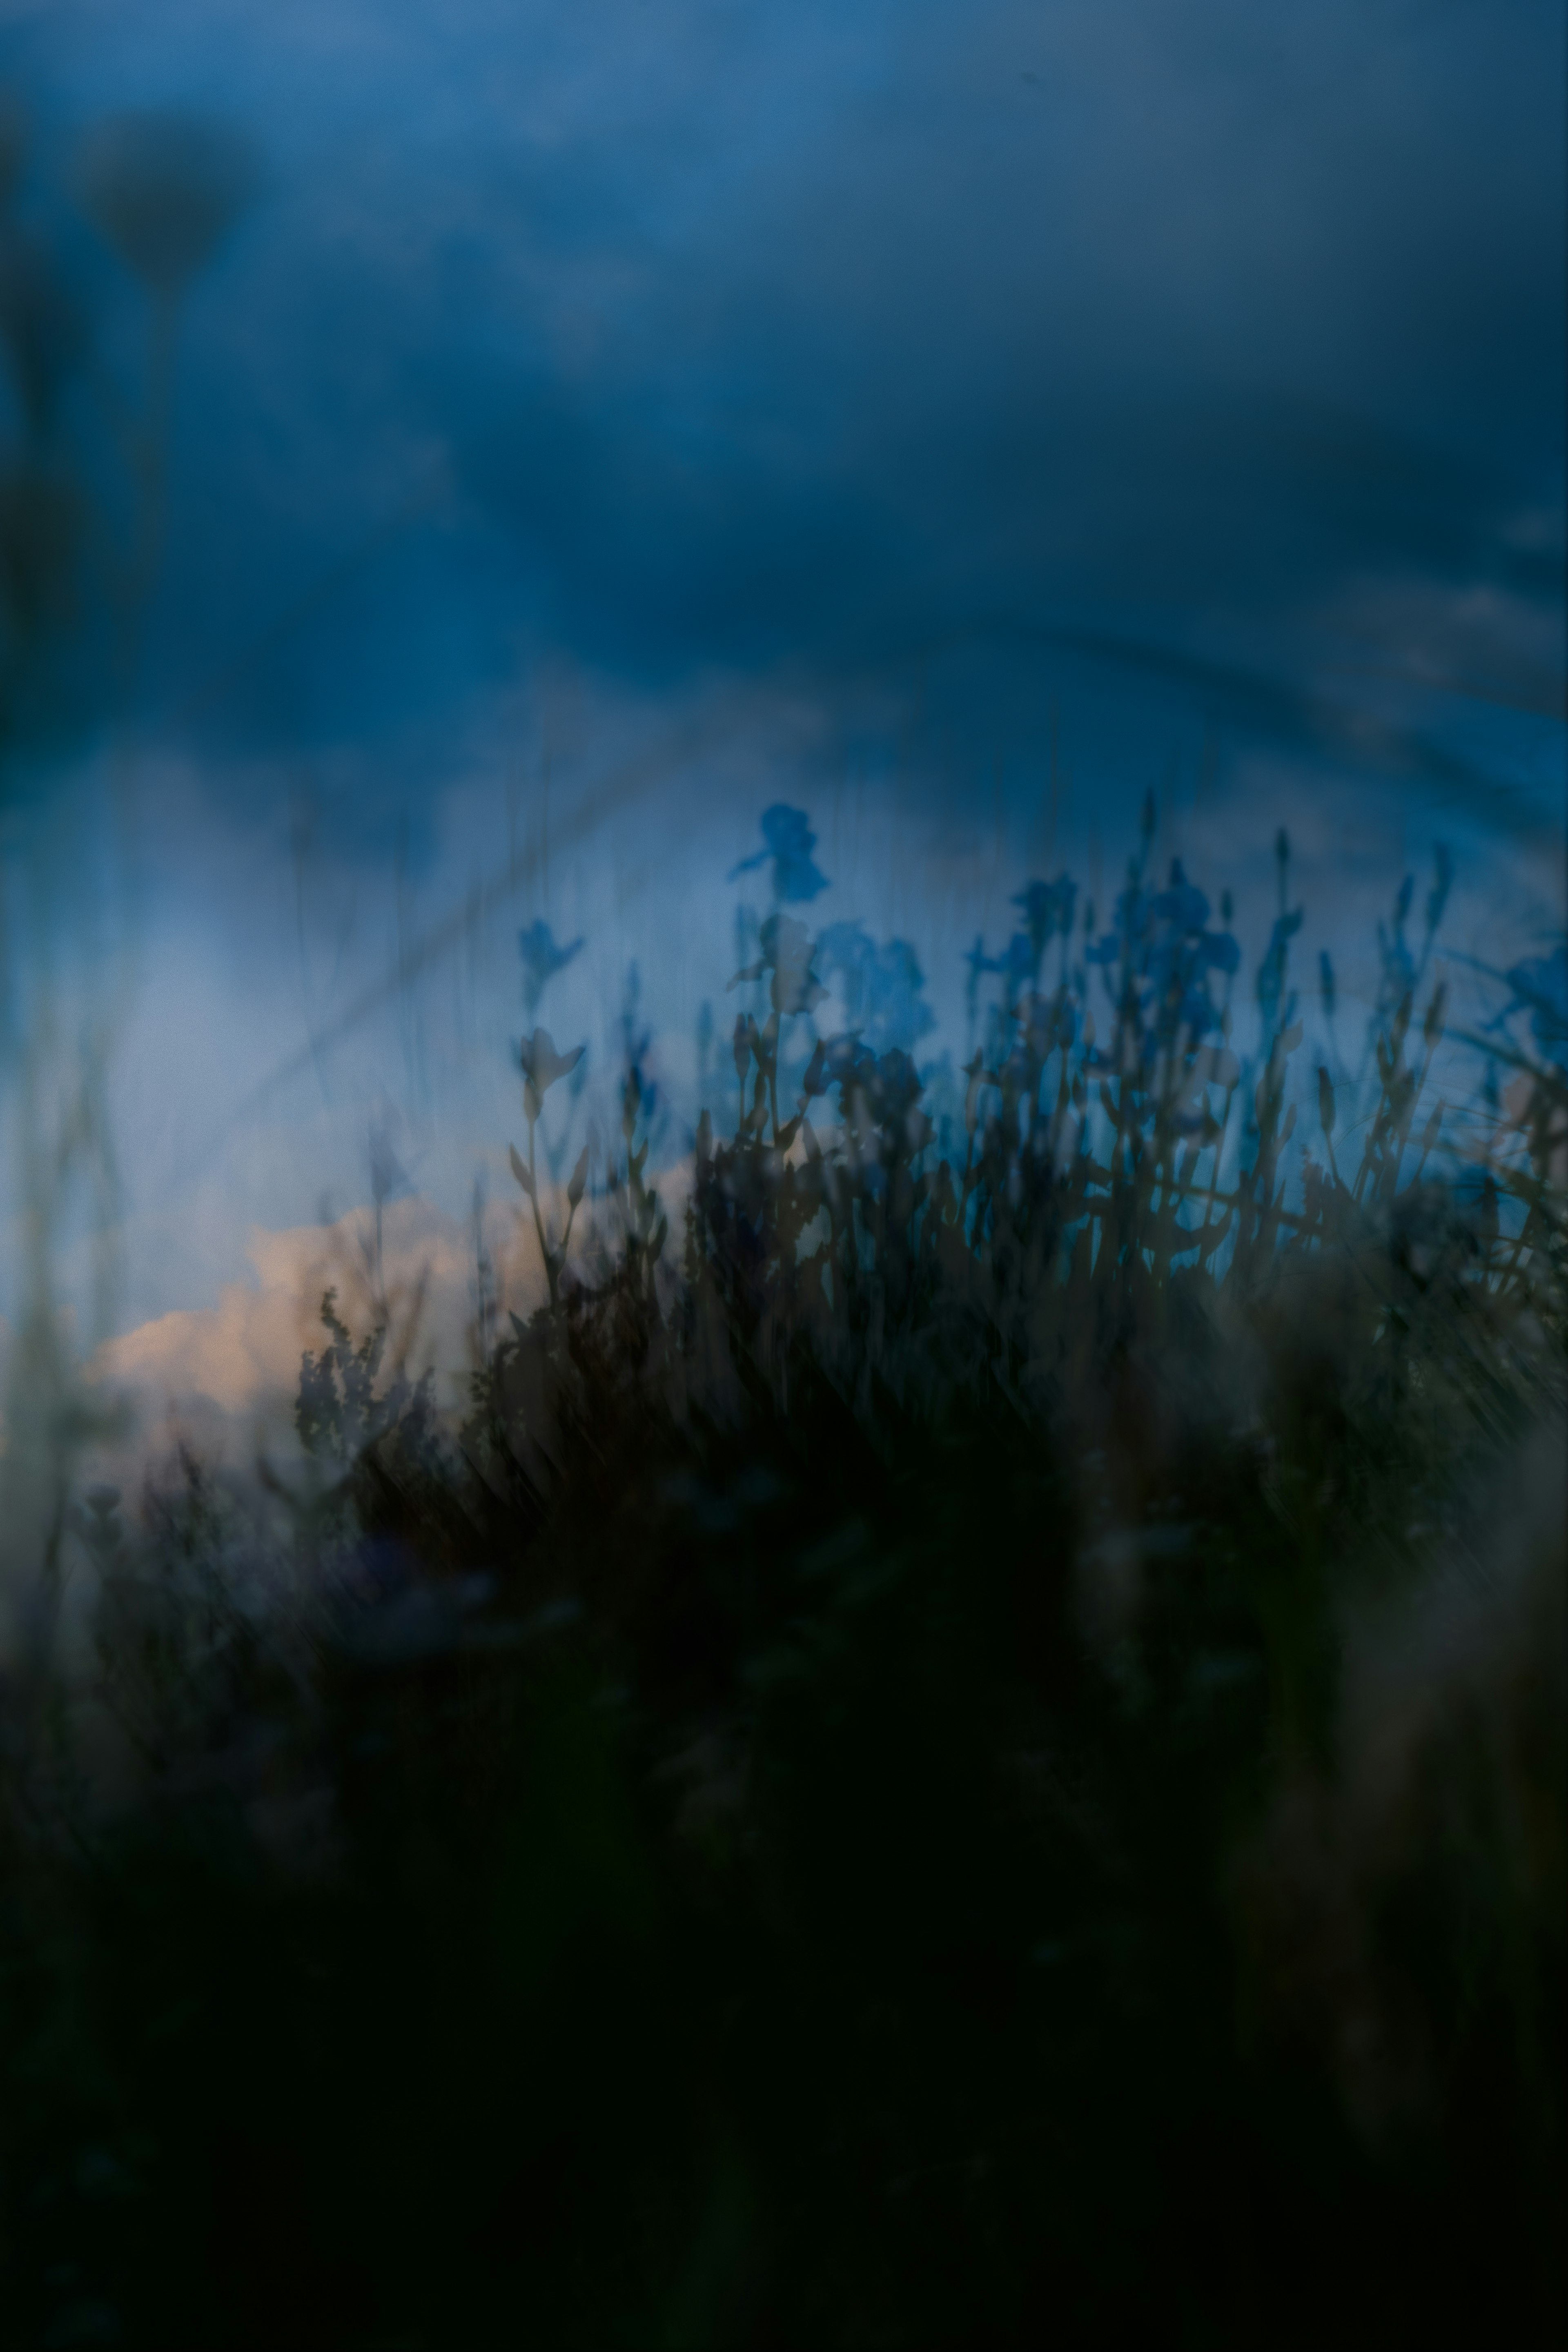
pixel 966 1740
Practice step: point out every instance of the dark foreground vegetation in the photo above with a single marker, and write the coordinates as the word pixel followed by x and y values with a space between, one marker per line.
pixel 967 1743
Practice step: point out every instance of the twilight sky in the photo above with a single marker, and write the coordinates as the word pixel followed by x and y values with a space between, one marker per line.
pixel 605 422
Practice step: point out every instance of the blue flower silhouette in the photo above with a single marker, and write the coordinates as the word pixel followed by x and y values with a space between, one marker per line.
pixel 542 1066
pixel 1164 953
pixel 790 841
pixel 543 957
pixel 1539 985
pixel 1183 905
pixel 881 985
pixel 1047 908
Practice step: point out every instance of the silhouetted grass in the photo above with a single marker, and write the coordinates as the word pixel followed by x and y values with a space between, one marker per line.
pixel 967 1743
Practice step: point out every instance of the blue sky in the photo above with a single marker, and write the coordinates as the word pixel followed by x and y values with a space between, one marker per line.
pixel 835 405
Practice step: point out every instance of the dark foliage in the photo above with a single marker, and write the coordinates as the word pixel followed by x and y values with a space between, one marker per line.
pixel 909 1776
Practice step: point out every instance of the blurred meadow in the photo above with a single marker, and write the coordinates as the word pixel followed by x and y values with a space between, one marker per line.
pixel 783 1067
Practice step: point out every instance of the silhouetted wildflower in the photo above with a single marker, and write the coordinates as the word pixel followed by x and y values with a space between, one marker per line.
pixel 790 841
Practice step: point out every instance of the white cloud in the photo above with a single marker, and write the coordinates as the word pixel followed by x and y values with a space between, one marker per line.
pixel 230 1372
pixel 242 1356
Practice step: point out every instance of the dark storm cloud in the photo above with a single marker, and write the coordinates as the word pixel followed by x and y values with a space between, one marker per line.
pixel 1204 321
pixel 742 336
pixel 1174 314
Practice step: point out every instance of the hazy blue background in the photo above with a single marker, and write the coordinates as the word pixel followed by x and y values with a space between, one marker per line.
pixel 954 420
